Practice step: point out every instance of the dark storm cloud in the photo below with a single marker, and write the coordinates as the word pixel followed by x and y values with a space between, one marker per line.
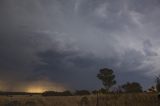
pixel 69 41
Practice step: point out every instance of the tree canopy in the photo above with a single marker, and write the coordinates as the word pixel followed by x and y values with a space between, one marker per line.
pixel 107 77
pixel 132 87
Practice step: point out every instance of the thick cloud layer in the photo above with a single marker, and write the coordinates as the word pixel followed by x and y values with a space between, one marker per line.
pixel 68 41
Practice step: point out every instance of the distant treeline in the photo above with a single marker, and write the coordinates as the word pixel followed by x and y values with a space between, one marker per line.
pixel 49 93
pixel 17 93
pixel 66 93
pixel 129 88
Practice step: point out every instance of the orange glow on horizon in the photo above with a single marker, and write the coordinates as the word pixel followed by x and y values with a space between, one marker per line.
pixel 35 89
pixel 38 86
pixel 42 86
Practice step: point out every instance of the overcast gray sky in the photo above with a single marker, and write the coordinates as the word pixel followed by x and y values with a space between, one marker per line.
pixel 67 41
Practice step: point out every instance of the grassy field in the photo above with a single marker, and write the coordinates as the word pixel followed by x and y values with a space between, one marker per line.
pixel 109 100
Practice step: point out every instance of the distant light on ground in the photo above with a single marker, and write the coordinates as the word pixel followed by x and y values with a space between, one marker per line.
pixel 35 89
pixel 42 86
pixel 37 86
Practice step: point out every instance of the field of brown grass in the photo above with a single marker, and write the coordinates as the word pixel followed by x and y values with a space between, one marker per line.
pixel 108 100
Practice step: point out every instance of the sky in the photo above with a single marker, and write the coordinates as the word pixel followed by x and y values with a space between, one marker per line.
pixel 64 43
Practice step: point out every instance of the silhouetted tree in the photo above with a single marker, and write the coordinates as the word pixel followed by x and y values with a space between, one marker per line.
pixel 66 93
pixel 102 90
pixel 107 77
pixel 152 89
pixel 94 91
pixel 50 93
pixel 133 87
pixel 158 83
pixel 82 92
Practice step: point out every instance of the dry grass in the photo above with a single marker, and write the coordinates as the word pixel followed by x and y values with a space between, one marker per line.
pixel 108 100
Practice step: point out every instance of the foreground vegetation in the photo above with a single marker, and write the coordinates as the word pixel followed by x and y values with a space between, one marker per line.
pixel 128 94
pixel 142 99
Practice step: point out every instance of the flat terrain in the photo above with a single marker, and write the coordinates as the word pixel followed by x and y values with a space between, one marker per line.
pixel 109 100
